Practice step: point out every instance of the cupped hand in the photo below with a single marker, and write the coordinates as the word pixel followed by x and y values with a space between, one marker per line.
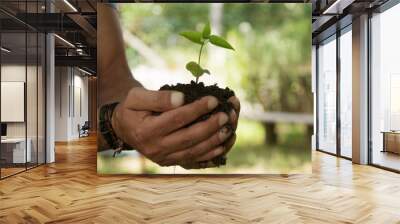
pixel 228 144
pixel 166 138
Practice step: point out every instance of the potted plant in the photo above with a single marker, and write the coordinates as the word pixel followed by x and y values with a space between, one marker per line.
pixel 195 89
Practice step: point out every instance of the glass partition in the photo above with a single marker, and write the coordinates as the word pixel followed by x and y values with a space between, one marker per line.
pixel 14 153
pixel 22 91
pixel 31 99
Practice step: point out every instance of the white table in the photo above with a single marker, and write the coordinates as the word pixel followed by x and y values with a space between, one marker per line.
pixel 19 155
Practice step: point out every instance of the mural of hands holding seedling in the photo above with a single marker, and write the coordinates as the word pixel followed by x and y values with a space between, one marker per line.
pixel 200 66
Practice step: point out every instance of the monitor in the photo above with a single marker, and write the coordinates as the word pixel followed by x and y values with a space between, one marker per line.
pixel 3 129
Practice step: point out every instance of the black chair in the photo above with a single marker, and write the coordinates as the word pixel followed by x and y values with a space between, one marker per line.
pixel 84 130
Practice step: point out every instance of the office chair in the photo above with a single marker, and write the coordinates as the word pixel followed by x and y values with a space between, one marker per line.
pixel 84 130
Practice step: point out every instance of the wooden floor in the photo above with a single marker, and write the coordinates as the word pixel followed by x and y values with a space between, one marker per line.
pixel 70 191
pixel 10 171
pixel 5 172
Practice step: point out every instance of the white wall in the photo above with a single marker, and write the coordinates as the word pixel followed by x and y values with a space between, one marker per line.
pixel 33 126
pixel 16 73
pixel 61 105
pixel 80 109
pixel 13 73
pixel 71 94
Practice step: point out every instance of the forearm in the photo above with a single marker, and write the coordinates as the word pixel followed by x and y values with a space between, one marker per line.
pixel 114 76
pixel 115 82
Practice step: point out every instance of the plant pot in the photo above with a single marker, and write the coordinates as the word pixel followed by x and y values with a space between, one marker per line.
pixel 194 91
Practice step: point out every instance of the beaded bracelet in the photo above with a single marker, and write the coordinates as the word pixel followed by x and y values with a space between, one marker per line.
pixel 107 130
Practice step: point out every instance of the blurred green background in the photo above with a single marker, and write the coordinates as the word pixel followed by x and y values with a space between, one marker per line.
pixel 270 71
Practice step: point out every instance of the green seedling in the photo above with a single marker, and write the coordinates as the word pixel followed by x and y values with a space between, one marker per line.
pixel 203 38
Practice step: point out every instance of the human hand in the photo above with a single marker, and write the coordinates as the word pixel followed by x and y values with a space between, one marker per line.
pixel 164 138
pixel 228 144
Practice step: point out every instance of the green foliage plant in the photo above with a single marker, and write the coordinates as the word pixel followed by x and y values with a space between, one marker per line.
pixel 202 38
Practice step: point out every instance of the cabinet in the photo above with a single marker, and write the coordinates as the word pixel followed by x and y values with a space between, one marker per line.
pixel 391 142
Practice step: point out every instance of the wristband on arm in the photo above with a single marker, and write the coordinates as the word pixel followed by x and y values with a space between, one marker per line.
pixel 107 130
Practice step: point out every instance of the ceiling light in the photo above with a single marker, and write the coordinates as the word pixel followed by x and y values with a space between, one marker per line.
pixel 5 50
pixel 65 41
pixel 79 51
pixel 338 6
pixel 70 5
pixel 84 71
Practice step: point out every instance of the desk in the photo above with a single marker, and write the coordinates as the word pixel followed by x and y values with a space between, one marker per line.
pixel 391 141
pixel 13 150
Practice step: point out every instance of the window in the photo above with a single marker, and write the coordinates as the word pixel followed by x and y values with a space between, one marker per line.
pixel 346 92
pixel 327 95
pixel 385 89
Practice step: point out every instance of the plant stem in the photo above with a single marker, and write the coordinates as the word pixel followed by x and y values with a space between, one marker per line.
pixel 198 62
pixel 201 50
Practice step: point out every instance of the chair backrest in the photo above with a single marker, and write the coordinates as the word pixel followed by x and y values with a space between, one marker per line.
pixel 86 125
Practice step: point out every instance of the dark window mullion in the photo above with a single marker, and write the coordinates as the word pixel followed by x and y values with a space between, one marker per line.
pixel 46 3
pixel 37 91
pixel 26 86
pixel 317 96
pixel 369 96
pixel 338 98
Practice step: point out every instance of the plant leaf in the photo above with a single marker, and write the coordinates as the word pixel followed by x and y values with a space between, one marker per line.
pixel 193 36
pixel 206 30
pixel 206 71
pixel 195 69
pixel 220 42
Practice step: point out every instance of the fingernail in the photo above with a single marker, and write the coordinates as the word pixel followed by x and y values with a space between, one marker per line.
pixel 212 103
pixel 223 118
pixel 224 134
pixel 232 114
pixel 177 99
pixel 219 151
pixel 235 101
